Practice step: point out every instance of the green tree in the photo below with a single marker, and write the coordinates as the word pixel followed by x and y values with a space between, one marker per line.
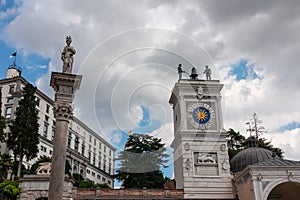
pixel 77 178
pixel 5 165
pixel 264 143
pixel 237 142
pixel 10 189
pixel 2 127
pixel 23 138
pixel 141 161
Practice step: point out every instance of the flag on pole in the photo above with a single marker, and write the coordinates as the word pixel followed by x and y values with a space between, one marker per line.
pixel 13 55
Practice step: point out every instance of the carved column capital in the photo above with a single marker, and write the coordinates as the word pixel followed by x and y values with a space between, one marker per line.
pixel 63 110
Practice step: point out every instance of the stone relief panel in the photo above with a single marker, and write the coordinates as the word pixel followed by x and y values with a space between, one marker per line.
pixel 206 164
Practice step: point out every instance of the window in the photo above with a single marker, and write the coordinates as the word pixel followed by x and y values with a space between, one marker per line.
pixel 109 153
pixel 109 166
pixel 104 149
pixel 46 118
pixel 88 171
pixel 104 163
pixel 95 141
pixel 103 179
pixel 8 113
pixel 94 159
pixel 76 143
pixel 99 145
pixel 45 130
pixel 38 102
pixel 109 182
pixel 98 176
pixel 50 152
pixel 89 156
pixel 82 149
pixel 93 174
pixel 10 100
pixel 11 89
pixel 47 108
pixel 44 149
pixel 69 139
pixel 99 161
pixel 52 133
pixel 90 139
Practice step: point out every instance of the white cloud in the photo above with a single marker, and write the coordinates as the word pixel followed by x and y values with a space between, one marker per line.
pixel 288 141
pixel 123 66
pixel 36 67
pixel 165 132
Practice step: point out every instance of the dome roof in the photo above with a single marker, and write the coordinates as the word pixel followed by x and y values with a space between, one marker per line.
pixel 249 156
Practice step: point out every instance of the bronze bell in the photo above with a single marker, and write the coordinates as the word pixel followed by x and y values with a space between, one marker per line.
pixel 194 74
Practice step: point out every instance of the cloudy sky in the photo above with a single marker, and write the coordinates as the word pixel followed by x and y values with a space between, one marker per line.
pixel 128 53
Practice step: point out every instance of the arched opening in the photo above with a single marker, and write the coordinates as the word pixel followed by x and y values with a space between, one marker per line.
pixel 75 170
pixel 82 172
pixel 288 190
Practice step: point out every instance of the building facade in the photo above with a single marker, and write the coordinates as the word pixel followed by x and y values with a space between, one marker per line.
pixel 87 152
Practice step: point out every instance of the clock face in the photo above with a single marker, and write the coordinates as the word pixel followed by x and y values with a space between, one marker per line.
pixel 201 115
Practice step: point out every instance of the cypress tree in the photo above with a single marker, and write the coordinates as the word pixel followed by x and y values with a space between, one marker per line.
pixel 23 138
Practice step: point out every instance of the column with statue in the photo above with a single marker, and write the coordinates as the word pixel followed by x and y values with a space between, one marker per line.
pixel 65 85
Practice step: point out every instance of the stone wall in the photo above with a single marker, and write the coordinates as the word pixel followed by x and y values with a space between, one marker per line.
pixel 36 186
pixel 136 194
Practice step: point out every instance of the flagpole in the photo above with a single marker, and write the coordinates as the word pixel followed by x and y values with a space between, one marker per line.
pixel 15 59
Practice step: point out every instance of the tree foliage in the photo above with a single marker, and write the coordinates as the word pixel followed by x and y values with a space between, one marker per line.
pixel 264 143
pixel 23 138
pixel 141 162
pixel 2 127
pixel 80 182
pixel 5 165
pixel 10 189
pixel 2 122
pixel 237 142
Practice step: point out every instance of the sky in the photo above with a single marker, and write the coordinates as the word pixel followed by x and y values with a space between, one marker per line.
pixel 128 53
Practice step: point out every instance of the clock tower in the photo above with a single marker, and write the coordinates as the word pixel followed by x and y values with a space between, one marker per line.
pixel 201 163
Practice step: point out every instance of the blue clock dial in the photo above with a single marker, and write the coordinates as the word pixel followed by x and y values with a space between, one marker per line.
pixel 201 115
